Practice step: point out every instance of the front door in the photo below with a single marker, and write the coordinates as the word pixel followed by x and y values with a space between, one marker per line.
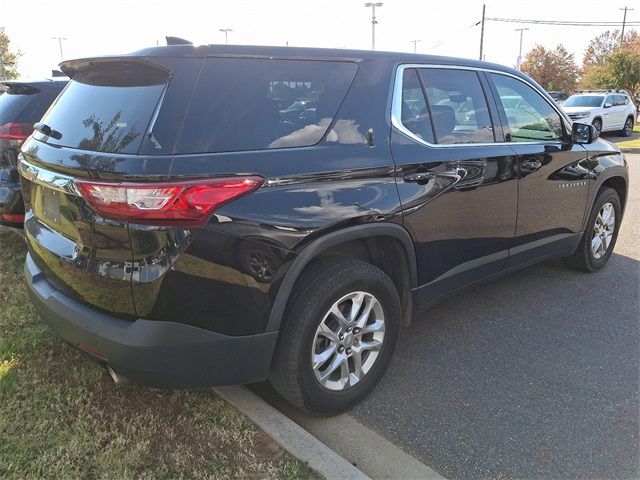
pixel 554 183
pixel 458 187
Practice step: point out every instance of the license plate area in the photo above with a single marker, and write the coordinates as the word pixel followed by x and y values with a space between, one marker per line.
pixel 51 205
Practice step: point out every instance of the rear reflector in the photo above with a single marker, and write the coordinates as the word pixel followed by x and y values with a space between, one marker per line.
pixel 178 203
pixel 92 351
pixel 8 217
pixel 15 131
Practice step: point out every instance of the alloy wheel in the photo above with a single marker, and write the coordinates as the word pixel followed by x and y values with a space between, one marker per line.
pixel 348 341
pixel 603 230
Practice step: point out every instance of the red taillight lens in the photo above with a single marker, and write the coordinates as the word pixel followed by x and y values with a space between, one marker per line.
pixel 180 203
pixel 9 217
pixel 15 131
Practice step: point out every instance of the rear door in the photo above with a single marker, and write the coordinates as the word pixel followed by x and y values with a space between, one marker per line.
pixel 554 184
pixel 457 183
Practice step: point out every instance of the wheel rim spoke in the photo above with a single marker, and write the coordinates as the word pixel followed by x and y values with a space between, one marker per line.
pixel 321 358
pixel 337 361
pixel 325 331
pixel 356 306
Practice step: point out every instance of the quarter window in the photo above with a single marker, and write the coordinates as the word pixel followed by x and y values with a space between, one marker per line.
pixel 529 115
pixel 458 106
pixel 253 104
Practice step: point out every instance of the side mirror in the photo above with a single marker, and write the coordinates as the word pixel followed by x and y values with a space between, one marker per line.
pixel 607 105
pixel 583 133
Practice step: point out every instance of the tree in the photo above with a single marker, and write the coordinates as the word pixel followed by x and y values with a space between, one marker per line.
pixel 603 45
pixel 8 59
pixel 553 69
pixel 619 69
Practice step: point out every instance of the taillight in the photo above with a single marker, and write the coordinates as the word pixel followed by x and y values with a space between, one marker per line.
pixel 10 217
pixel 179 203
pixel 15 131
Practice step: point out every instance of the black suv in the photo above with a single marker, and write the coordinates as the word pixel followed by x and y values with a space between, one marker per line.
pixel 222 214
pixel 22 105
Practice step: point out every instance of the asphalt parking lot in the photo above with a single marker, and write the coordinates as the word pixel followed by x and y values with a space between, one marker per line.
pixel 535 375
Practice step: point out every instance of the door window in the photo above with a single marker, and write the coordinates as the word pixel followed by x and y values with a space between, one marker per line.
pixel 530 117
pixel 415 113
pixel 458 106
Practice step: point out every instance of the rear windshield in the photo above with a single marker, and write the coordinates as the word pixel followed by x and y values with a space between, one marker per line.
pixel 252 104
pixel 107 108
pixel 24 105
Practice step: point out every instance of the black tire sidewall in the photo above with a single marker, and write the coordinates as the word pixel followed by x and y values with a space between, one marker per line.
pixel 599 122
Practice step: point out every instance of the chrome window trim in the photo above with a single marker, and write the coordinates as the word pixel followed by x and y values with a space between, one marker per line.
pixel 56 181
pixel 396 106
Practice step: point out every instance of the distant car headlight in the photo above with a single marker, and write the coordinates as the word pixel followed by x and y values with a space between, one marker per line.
pixel 580 115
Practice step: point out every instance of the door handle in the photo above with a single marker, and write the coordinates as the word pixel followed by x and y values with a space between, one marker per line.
pixel 419 177
pixel 530 165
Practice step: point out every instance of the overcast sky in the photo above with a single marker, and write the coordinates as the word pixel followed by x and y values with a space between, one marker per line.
pixel 102 27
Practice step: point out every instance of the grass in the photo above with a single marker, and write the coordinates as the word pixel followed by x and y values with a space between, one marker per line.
pixel 635 143
pixel 62 417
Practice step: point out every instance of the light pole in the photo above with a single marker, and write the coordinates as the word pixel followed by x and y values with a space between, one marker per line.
pixel 415 45
pixel 519 62
pixel 624 21
pixel 373 21
pixel 59 39
pixel 226 34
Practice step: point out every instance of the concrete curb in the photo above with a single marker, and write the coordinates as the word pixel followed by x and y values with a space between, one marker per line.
pixel 290 436
pixel 630 150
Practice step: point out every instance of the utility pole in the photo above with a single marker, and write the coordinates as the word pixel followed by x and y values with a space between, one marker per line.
pixel 226 34
pixel 373 21
pixel 59 39
pixel 415 45
pixel 484 6
pixel 519 61
pixel 624 21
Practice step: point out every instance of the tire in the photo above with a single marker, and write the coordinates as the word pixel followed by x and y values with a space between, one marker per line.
pixel 628 127
pixel 318 289
pixel 585 258
pixel 598 124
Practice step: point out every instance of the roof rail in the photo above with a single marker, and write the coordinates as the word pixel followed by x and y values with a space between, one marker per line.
pixel 604 90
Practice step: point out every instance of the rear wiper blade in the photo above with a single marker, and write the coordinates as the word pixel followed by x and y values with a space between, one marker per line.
pixel 47 130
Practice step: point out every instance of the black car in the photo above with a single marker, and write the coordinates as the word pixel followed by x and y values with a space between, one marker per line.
pixel 22 105
pixel 184 229
pixel 558 95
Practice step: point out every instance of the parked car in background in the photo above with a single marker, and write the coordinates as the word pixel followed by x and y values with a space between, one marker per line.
pixel 187 228
pixel 22 105
pixel 607 110
pixel 559 96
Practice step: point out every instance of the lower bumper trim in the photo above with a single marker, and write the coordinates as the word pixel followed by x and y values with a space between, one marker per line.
pixel 149 352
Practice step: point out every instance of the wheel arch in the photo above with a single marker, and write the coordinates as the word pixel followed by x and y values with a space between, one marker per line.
pixel 333 243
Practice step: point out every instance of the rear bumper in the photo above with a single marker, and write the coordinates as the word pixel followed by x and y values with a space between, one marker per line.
pixel 154 353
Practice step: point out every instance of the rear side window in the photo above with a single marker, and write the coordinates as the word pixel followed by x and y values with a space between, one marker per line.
pixel 24 104
pixel 107 108
pixel 252 104
pixel 458 106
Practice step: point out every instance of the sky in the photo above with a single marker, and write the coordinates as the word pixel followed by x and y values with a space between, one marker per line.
pixel 102 27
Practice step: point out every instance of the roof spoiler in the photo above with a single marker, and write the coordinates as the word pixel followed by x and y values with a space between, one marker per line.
pixel 177 41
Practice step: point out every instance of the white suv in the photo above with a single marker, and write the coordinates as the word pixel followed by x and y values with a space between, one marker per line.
pixel 607 110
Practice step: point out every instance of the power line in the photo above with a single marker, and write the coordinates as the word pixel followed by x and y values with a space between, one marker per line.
pixel 561 22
